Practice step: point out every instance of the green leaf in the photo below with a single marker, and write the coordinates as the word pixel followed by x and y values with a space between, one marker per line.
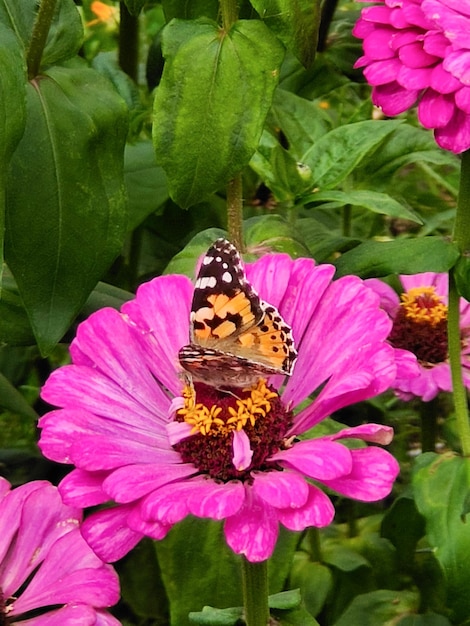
pixel 209 616
pixel 403 526
pixel 402 256
pixel 204 580
pixel 65 35
pixel 141 584
pixel 302 121
pixel 185 10
pixel 12 400
pixel 407 145
pixel 373 201
pixel 333 157
pixel 278 169
pixel 285 600
pixel 428 619
pixel 462 276
pixel 441 485
pixel 382 607
pixel 212 102
pixel 316 583
pixel 66 211
pixel 12 111
pixel 296 24
pixel 275 234
pixel 146 184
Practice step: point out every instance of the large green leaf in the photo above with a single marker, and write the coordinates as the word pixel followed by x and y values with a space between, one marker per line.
pixel 66 210
pixel 12 110
pixel 382 607
pixel 402 256
pixel 441 486
pixel 295 22
pixel 212 102
pixel 333 157
pixel 65 34
pixel 371 200
pixel 199 569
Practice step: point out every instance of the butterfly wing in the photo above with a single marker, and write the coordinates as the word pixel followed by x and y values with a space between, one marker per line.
pixel 235 337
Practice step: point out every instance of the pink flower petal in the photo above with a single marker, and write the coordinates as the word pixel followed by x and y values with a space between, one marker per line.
pixel 393 99
pixel 317 511
pixel 158 330
pixel 253 531
pixel 414 56
pixel 281 490
pixel 374 433
pixel 108 533
pixel 131 482
pixel 242 452
pixel 382 72
pixel 458 63
pixel 70 615
pixel 462 99
pixel 454 25
pixel 414 79
pixel 435 110
pixel 456 135
pixel 81 577
pixel 373 474
pixel 377 45
pixel 436 43
pixel 442 81
pixel 81 488
pixel 216 500
pixel 317 458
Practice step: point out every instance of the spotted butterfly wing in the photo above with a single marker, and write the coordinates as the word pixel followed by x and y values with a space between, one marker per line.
pixel 236 338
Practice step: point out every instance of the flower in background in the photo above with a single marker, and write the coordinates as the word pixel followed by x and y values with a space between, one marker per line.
pixel 105 14
pixel 49 575
pixel 419 51
pixel 420 326
pixel 161 449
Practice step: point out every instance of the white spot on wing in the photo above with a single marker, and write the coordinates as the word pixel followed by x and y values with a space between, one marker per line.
pixel 227 277
pixel 206 281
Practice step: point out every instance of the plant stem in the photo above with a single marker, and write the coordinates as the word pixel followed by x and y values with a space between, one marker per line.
pixel 128 42
pixel 235 211
pixel 229 12
pixel 41 28
pixel 255 592
pixel 461 237
pixel 428 414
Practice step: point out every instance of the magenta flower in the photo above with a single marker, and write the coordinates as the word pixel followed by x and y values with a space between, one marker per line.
pixel 139 438
pixel 419 51
pixel 48 574
pixel 420 326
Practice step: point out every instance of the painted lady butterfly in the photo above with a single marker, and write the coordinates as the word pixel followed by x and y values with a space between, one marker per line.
pixel 236 338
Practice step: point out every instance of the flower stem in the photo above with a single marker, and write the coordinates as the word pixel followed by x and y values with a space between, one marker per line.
pixel 461 237
pixel 229 11
pixel 255 593
pixel 128 42
pixel 41 28
pixel 235 211
pixel 459 391
pixel 428 414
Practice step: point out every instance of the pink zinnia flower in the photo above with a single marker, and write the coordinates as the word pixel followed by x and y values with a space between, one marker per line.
pixel 49 575
pixel 139 438
pixel 419 51
pixel 420 326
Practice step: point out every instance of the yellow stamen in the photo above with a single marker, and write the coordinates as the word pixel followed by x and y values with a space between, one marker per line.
pixel 216 420
pixel 423 305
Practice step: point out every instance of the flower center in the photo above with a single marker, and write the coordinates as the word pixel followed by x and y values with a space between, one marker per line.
pixel 215 415
pixel 420 325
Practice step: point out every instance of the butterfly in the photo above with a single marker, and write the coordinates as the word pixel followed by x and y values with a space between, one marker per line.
pixel 235 337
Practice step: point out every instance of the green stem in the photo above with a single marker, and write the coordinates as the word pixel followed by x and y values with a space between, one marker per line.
pixel 461 237
pixel 229 12
pixel 235 211
pixel 255 592
pixel 428 414
pixel 459 391
pixel 128 42
pixel 313 536
pixel 41 28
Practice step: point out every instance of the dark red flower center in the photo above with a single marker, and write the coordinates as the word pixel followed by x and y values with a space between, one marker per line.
pixel 215 415
pixel 420 326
